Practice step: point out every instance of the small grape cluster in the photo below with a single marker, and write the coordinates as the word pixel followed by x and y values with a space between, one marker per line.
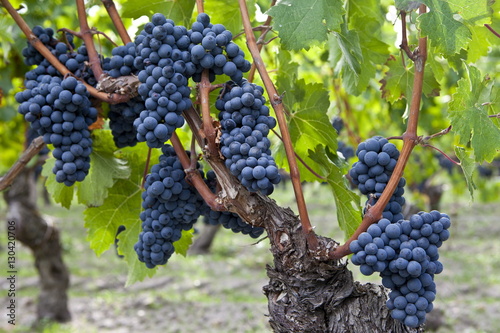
pixel 371 173
pixel 209 42
pixel 170 205
pixel 165 65
pixel 61 112
pixel 245 123
pixel 405 254
pixel 228 220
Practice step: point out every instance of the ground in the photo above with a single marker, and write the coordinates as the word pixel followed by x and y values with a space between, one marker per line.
pixel 222 292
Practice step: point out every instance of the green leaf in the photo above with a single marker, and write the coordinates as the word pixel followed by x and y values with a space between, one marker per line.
pixel 105 168
pixel 180 11
pixel 182 245
pixel 468 166
pixel 398 81
pixel 300 22
pixel 469 115
pixel 60 193
pixel 347 202
pixel 475 12
pixel 447 35
pixel 122 206
pixel 228 12
pixel 309 125
pixel 355 54
pixel 346 55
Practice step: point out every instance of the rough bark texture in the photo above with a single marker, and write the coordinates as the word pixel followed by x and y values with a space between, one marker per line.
pixel 43 239
pixel 306 295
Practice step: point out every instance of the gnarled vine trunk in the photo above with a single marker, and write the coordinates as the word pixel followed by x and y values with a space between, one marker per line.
pixel 306 295
pixel 43 239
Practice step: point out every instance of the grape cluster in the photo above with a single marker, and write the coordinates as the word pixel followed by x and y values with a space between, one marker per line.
pixel 211 48
pixel 170 205
pixel 371 173
pixel 228 220
pixel 121 121
pixel 245 123
pixel 61 112
pixel 405 254
pixel 164 61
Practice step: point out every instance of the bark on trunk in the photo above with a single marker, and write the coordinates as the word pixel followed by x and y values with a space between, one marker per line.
pixel 306 295
pixel 43 239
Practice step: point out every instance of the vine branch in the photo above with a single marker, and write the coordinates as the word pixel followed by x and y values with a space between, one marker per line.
pixel 117 21
pixel 40 47
pixel 86 34
pixel 278 107
pixel 410 140
pixel 193 176
pixel 34 148
pixel 263 34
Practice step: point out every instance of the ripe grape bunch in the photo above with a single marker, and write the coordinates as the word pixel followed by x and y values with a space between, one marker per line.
pixel 377 160
pixel 170 205
pixel 245 124
pixel 405 254
pixel 60 111
pixel 228 220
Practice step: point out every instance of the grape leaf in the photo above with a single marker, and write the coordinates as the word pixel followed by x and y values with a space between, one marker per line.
pixel 355 54
pixel 398 81
pixel 468 166
pixel 182 245
pixel 180 11
pixel 122 207
pixel 300 22
pixel 446 34
pixel 60 193
pixel 469 115
pixel 347 202
pixel 472 12
pixel 228 13
pixel 105 168
pixel 346 56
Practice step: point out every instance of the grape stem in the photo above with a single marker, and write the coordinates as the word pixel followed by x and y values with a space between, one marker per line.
pixel 492 30
pixel 117 21
pixel 263 34
pixel 94 31
pixel 199 6
pixel 410 140
pixel 442 153
pixel 146 168
pixel 278 107
pixel 204 89
pixel 404 40
pixel 34 148
pixel 40 47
